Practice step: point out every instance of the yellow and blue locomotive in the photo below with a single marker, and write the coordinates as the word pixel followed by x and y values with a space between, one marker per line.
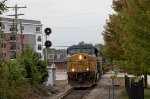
pixel 84 65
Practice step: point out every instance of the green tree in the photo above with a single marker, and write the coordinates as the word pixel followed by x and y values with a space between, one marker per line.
pixel 42 68
pixel 130 26
pixel 37 72
pixel 138 35
pixel 12 79
pixel 114 36
pixel 2 9
pixel 2 6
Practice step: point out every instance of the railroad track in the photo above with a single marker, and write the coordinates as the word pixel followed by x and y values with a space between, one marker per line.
pixel 76 93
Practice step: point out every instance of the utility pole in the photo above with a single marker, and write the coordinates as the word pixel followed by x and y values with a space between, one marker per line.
pixel 13 36
pixel 16 20
pixel 21 37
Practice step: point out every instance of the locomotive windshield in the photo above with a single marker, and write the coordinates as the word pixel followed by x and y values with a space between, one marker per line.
pixel 85 50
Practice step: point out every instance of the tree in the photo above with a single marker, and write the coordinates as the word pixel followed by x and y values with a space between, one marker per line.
pixel 2 9
pixel 2 6
pixel 114 36
pixel 81 43
pixel 37 72
pixel 138 35
pixel 130 26
pixel 13 82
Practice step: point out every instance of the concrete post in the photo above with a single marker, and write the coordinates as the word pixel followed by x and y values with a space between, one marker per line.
pixel 52 75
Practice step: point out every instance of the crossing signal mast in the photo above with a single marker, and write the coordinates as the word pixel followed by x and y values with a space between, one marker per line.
pixel 48 43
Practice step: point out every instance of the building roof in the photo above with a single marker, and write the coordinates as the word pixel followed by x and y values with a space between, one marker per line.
pixel 23 20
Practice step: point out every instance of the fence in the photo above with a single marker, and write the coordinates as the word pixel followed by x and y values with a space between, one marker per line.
pixel 135 89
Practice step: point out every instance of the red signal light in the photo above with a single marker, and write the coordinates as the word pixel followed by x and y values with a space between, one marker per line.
pixel 48 44
pixel 47 31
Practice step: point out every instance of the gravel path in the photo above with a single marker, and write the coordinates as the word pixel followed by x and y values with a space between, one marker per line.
pixel 103 90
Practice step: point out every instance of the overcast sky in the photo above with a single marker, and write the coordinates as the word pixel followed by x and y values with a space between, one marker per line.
pixel 71 21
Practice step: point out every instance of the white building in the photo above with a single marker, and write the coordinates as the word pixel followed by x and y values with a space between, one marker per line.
pixel 32 35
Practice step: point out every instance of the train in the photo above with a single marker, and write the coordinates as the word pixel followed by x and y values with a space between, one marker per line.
pixel 84 65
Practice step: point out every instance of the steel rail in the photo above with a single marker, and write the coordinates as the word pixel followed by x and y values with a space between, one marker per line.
pixel 82 91
pixel 65 94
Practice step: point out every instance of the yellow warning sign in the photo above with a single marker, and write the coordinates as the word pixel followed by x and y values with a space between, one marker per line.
pixel 112 77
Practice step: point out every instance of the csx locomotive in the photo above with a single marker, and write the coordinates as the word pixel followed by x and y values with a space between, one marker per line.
pixel 84 65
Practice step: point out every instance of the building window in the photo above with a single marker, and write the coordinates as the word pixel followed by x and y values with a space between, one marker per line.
pixel 12 28
pixel 58 56
pixel 2 35
pixel 12 37
pixel 13 47
pixel 51 56
pixel 37 29
pixel 13 55
pixel 22 27
pixel 39 39
pixel 39 47
pixel 3 54
pixel 3 26
pixel 4 45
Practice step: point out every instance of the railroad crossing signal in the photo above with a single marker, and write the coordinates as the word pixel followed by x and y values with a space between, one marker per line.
pixel 47 42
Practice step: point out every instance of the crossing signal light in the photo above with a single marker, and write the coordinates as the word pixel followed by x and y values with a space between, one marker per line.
pixel 47 31
pixel 48 44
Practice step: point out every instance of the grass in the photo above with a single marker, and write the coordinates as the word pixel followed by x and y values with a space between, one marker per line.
pixel 125 95
pixel 146 93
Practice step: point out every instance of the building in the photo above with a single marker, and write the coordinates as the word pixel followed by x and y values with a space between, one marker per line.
pixel 57 57
pixel 11 44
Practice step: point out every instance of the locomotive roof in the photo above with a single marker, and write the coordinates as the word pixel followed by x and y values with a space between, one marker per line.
pixel 86 46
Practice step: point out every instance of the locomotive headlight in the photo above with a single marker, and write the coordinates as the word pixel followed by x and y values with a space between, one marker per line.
pixel 87 69
pixel 80 57
pixel 72 69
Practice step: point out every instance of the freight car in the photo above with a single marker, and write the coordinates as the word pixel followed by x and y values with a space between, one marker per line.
pixel 84 65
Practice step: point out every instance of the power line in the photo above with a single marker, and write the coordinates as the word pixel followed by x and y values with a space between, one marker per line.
pixel 75 15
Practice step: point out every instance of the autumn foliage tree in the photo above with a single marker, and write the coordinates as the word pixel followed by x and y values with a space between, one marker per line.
pixel 127 36
pixel 113 35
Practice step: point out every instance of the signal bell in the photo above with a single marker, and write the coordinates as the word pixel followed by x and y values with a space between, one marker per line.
pixel 48 44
